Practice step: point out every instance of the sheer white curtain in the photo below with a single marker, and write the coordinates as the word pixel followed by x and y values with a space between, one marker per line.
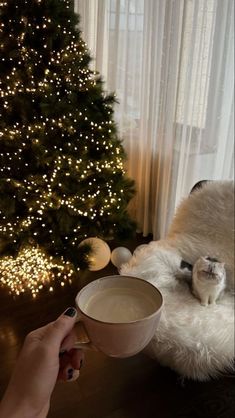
pixel 171 64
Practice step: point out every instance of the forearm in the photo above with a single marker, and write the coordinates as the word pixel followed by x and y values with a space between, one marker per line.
pixel 12 406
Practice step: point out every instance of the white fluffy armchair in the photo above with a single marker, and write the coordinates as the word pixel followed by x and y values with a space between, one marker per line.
pixel 195 341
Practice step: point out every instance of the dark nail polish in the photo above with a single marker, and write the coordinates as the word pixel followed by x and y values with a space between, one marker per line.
pixel 81 363
pixel 62 352
pixel 70 312
pixel 70 374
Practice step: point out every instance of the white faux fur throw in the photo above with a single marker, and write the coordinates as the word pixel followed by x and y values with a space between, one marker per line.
pixel 194 340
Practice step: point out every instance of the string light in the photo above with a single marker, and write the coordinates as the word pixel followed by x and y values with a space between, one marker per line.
pixel 31 271
pixel 54 143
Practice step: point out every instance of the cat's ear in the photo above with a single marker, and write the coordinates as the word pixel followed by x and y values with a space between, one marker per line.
pixel 186 265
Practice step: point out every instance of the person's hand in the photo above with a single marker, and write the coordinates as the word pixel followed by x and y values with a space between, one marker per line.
pixel 47 356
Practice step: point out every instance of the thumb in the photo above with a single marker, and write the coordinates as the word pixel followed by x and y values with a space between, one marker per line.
pixel 61 327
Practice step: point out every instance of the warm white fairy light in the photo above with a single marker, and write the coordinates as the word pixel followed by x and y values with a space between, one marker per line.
pixel 47 197
pixel 31 271
pixel 64 74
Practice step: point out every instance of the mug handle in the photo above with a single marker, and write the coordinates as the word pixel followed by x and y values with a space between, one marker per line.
pixel 84 346
pixel 83 341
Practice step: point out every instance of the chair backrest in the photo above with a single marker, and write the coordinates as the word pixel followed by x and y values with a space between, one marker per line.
pixel 204 224
pixel 199 185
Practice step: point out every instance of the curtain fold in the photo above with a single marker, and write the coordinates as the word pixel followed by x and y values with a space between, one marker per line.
pixel 171 64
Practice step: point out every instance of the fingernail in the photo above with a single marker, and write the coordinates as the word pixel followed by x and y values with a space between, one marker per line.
pixel 62 352
pixel 75 376
pixel 70 312
pixel 81 364
pixel 70 374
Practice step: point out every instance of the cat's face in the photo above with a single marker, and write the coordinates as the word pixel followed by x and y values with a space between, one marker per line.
pixel 208 268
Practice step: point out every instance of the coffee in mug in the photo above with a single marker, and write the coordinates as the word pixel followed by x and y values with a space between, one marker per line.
pixel 118 304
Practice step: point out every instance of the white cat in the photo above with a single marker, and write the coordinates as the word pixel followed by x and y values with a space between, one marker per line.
pixel 208 280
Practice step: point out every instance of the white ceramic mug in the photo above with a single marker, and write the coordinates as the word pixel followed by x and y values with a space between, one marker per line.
pixel 120 314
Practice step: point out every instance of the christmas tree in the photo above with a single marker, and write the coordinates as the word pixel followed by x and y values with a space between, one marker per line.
pixel 62 176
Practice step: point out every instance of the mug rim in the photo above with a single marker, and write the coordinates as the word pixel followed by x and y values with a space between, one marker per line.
pixel 120 323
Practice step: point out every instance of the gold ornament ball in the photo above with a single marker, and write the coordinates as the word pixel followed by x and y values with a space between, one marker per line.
pixel 100 253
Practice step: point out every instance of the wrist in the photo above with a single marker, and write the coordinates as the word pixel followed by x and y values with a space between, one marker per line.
pixel 12 406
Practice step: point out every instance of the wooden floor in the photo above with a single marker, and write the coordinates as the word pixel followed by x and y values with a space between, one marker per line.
pixel 136 387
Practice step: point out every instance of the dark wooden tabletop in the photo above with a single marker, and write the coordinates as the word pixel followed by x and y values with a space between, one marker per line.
pixel 136 387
